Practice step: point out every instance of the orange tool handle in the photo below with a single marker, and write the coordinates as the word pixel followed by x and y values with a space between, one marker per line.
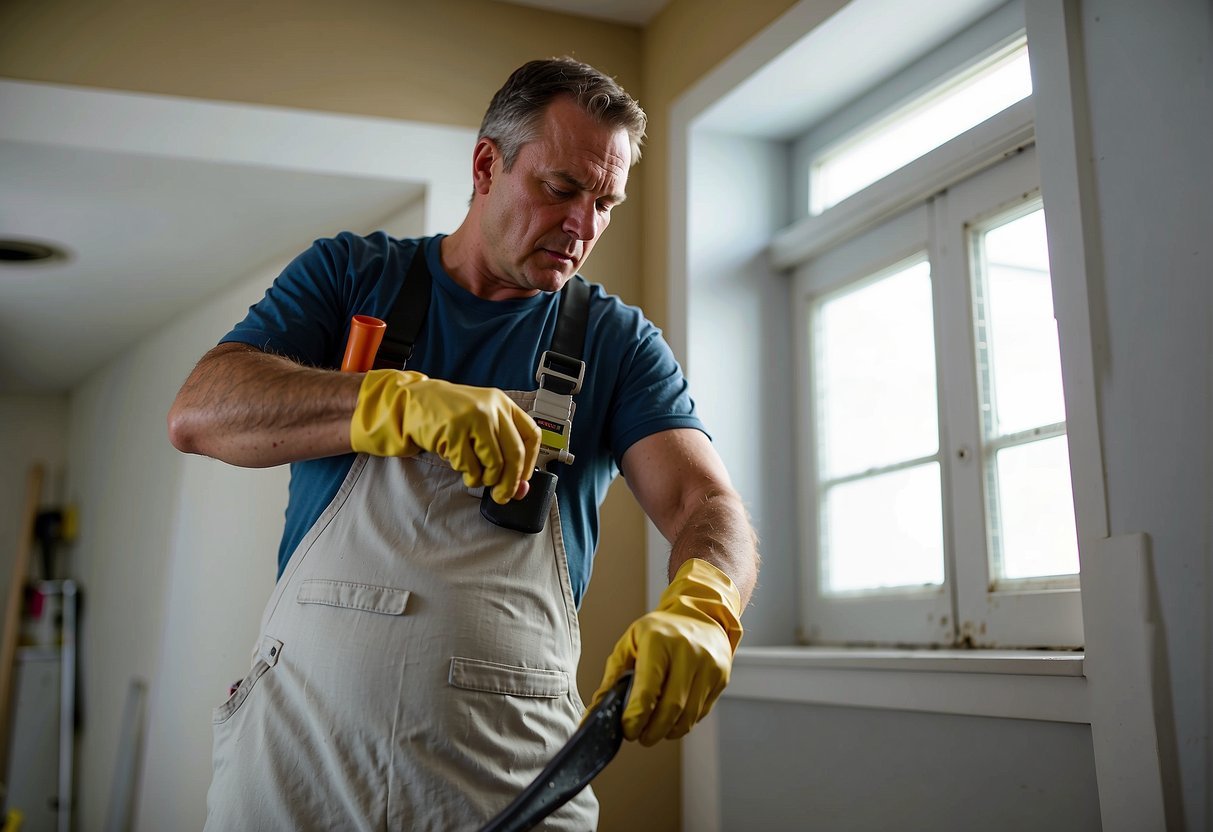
pixel 366 333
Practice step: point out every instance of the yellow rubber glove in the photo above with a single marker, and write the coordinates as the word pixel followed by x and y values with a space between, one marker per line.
pixel 479 430
pixel 682 653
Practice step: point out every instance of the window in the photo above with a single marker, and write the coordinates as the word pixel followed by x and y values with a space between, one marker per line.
pixel 878 434
pixel 1027 480
pixel 949 108
pixel 939 507
pixel 936 495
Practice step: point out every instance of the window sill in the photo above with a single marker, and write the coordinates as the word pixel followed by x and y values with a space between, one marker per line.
pixel 1015 684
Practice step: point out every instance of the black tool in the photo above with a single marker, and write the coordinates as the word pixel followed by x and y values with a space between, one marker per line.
pixel 49 529
pixel 587 752
pixel 527 515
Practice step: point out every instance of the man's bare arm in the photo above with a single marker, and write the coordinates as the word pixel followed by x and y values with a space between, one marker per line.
pixel 249 408
pixel 681 483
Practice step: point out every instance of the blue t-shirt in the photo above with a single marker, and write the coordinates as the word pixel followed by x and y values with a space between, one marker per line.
pixel 633 385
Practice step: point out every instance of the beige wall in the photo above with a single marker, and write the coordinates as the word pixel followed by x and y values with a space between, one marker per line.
pixel 425 61
pixel 430 62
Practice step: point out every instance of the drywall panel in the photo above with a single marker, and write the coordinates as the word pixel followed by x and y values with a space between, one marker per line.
pixel 791 767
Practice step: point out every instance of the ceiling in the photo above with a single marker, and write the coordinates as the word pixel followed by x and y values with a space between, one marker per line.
pixel 632 12
pixel 147 238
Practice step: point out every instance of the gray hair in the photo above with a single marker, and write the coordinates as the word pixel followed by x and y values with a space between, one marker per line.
pixel 516 110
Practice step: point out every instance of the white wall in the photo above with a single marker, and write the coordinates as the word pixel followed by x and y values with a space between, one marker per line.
pixel 177 558
pixel 1149 73
pixel 738 325
pixel 863 770
pixel 222 559
pixel 130 482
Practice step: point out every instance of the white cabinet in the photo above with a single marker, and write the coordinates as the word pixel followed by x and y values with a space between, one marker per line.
pixel 40 761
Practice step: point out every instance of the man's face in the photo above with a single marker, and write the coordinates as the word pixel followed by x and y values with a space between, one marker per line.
pixel 542 217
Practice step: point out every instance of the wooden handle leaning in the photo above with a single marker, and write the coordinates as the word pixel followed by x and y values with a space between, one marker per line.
pixel 12 609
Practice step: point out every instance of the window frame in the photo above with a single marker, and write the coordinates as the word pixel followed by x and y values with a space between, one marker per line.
pixel 809 238
pixel 968 610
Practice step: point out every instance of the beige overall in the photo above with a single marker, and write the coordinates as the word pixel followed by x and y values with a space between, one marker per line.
pixel 415 668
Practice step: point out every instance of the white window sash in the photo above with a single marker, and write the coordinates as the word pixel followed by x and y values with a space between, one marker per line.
pixel 1027 614
pixel 918 616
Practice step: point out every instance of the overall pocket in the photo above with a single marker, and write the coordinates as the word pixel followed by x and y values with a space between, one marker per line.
pixel 491 677
pixel 354 596
pixel 268 653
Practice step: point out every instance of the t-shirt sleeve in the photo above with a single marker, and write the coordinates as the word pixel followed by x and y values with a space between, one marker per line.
pixel 303 312
pixel 651 395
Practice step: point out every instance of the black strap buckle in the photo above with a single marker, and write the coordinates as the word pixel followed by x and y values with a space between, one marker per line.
pixel 560 374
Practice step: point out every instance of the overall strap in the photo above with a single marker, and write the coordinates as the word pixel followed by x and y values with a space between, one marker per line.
pixel 412 303
pixel 569 337
pixel 561 369
pixel 408 313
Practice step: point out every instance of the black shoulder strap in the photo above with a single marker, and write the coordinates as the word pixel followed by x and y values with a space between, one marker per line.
pixel 412 303
pixel 569 337
pixel 408 313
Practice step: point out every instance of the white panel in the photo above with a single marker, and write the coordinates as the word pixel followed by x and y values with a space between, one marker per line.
pixel 33 764
pixel 1067 190
pixel 1121 636
pixel 804 768
pixel 701 787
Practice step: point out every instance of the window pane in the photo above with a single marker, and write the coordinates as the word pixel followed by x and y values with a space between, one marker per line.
pixel 884 531
pixel 943 113
pixel 876 375
pixel 1036 511
pixel 1017 329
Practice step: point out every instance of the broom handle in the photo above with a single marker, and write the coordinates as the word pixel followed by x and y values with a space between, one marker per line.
pixel 12 610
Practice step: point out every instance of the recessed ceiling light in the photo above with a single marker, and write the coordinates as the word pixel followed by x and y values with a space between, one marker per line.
pixel 28 251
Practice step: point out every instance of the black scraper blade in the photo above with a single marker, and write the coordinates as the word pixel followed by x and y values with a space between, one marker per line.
pixel 579 761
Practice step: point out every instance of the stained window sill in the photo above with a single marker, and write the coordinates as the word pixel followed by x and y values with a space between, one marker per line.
pixel 1018 684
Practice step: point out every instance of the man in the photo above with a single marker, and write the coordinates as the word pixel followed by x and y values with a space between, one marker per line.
pixel 416 664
